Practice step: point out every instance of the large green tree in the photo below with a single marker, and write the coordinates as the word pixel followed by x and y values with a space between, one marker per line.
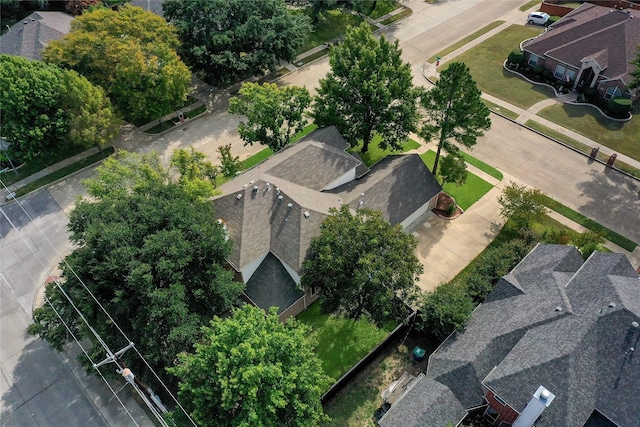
pixel 521 204
pixel 131 53
pixel 454 110
pixel 445 309
pixel 228 40
pixel 45 109
pixel 363 266
pixel 636 73
pixel 274 114
pixel 368 91
pixel 250 369
pixel 153 256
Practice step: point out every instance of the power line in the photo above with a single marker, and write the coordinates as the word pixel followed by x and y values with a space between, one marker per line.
pixel 98 303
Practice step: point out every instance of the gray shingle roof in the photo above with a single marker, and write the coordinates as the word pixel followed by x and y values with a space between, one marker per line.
pixel 272 286
pixel 28 39
pixel 426 403
pixel 566 325
pixel 591 31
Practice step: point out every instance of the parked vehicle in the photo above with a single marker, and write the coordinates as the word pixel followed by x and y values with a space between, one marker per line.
pixel 537 18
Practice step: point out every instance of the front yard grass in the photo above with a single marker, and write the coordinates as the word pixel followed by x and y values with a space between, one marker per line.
pixel 382 8
pixel 621 137
pixel 341 342
pixel 499 109
pixel 482 166
pixel 466 194
pixel 486 59
pixel 375 153
pixel 528 5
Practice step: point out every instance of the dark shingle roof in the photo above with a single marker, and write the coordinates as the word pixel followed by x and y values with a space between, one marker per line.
pixel 426 403
pixel 591 31
pixel 28 37
pixel 272 286
pixel 561 323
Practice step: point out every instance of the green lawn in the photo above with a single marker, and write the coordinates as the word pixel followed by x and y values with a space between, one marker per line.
pixel 465 40
pixel 485 62
pixel 621 137
pixel 390 20
pixel 482 166
pixel 382 8
pixel 498 109
pixel 331 24
pixel 466 194
pixel 341 342
pixel 375 153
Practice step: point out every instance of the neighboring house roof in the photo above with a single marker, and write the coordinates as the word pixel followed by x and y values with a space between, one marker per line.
pixel 426 403
pixel 28 37
pixel 278 206
pixel 558 322
pixel 609 36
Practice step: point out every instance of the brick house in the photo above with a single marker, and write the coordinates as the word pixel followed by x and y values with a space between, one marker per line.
pixel 592 46
pixel 554 324
pixel 272 211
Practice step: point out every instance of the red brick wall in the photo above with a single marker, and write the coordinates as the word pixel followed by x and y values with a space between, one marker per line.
pixel 618 4
pixel 506 413
pixel 553 9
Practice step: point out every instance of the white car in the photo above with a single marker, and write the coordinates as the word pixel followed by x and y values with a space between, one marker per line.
pixel 539 18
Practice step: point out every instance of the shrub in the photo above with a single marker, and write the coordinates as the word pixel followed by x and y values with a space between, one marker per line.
pixel 451 209
pixel 516 56
pixel 538 70
pixel 590 93
pixel 619 105
pixel 547 74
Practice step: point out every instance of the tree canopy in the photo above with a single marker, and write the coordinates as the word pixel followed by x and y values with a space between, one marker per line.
pixel 268 376
pixel 131 53
pixel 274 114
pixel 152 255
pixel 228 40
pixel 521 204
pixel 45 108
pixel 636 73
pixel 454 110
pixel 445 309
pixel 368 91
pixel 363 265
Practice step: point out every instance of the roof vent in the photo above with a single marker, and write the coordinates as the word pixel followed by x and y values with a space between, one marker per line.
pixel 255 188
pixel 612 305
pixel 306 214
pixel 289 205
pixel 251 182
pixel 244 186
pixel 280 198
pixel 278 190
pixel 558 308
pixel 268 186
pixel 239 196
pixel 635 325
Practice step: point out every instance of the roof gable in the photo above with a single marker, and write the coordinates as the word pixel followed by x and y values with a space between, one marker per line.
pixel 28 37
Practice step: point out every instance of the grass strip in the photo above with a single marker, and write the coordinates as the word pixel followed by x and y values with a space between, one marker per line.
pixel 610 235
pixel 583 148
pixel 65 171
pixel 465 40
pixel 490 170
pixel 312 57
pixel 528 5
pixel 390 20
pixel 498 109
pixel 375 153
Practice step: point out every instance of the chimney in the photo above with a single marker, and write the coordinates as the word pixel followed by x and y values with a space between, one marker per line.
pixel 541 399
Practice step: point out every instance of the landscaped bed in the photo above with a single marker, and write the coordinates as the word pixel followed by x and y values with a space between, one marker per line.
pixel 342 342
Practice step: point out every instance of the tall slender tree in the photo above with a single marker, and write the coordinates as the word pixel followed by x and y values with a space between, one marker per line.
pixel 368 91
pixel 454 110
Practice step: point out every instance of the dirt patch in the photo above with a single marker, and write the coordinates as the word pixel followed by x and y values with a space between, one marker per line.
pixel 356 404
pixel 444 207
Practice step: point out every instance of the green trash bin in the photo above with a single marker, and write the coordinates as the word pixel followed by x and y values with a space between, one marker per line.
pixel 418 353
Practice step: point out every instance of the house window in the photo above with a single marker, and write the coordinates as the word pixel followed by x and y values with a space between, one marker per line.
pixel 569 75
pixel 533 60
pixel 612 91
pixel 500 401
pixel 559 73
